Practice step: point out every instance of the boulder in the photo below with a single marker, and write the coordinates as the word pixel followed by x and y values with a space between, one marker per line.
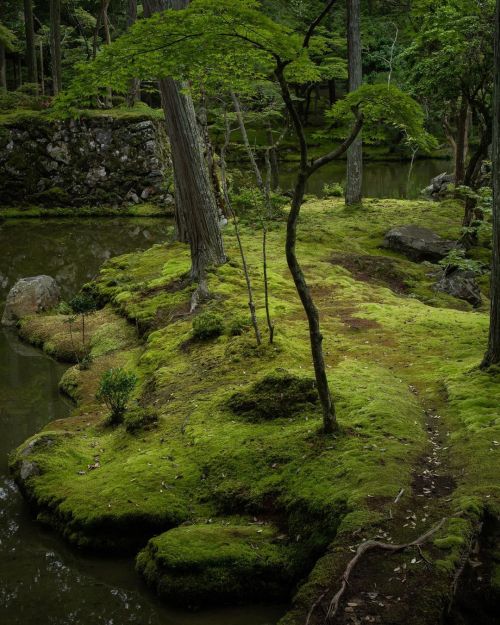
pixel 418 243
pixel 460 283
pixel 439 186
pixel 29 296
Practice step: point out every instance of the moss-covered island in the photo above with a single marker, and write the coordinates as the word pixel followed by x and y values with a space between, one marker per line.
pixel 220 479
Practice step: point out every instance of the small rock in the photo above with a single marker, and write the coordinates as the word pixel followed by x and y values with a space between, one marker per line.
pixel 462 284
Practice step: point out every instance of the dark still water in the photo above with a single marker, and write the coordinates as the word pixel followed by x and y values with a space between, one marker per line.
pixel 380 179
pixel 42 580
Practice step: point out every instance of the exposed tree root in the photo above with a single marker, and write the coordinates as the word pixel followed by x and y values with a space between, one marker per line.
pixel 360 551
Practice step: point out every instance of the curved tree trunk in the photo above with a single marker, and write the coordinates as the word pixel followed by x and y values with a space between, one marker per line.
pixel 30 42
pixel 355 152
pixel 492 356
pixel 196 210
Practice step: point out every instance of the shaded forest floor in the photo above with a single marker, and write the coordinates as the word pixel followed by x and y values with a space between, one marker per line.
pixel 223 461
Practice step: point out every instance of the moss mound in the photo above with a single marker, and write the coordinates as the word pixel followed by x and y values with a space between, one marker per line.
pixel 275 396
pixel 214 564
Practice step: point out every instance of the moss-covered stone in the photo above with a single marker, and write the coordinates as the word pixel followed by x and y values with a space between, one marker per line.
pixel 275 396
pixel 218 563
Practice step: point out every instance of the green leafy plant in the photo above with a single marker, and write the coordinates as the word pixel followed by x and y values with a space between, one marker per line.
pixel 239 325
pixel 456 259
pixel 115 388
pixel 333 189
pixel 208 325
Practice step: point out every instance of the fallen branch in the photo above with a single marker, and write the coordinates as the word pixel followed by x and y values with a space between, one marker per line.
pixel 360 551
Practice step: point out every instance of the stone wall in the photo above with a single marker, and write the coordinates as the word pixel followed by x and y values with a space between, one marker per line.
pixel 90 161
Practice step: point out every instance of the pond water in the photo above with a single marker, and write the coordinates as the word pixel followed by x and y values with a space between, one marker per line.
pixel 380 179
pixel 42 580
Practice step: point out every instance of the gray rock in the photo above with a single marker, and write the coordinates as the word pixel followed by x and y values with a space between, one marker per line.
pixel 28 469
pixel 29 296
pixel 418 243
pixel 439 186
pixel 462 284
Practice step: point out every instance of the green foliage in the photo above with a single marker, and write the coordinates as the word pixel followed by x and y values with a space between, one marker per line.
pixel 115 388
pixel 333 189
pixel 248 202
pixel 208 325
pixel 83 303
pixel 23 98
pixel 385 109
pixel 458 259
pixel 239 325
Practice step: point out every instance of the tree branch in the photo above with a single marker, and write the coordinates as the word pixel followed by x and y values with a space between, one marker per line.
pixel 317 22
pixel 343 147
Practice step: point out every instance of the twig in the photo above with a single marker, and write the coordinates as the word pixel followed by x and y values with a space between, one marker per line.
pixel 360 551
pixel 400 494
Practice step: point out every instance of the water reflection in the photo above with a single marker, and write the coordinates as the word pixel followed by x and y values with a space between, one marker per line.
pixel 42 581
pixel 380 179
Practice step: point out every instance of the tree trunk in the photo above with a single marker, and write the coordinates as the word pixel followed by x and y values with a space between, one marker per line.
pixel 315 336
pixel 196 210
pixel 133 94
pixel 3 68
pixel 355 152
pixel 30 42
pixel 492 356
pixel 461 142
pixel 55 45
pixel 42 66
pixel 332 91
pixel 273 160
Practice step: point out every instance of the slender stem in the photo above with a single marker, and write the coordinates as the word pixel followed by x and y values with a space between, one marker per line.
pixel 251 303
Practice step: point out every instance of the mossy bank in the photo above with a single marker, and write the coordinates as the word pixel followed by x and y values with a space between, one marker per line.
pixel 240 493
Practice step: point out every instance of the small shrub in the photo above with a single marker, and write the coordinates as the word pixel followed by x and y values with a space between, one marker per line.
pixel 86 362
pixel 114 390
pixel 239 325
pixel 333 189
pixel 138 418
pixel 208 325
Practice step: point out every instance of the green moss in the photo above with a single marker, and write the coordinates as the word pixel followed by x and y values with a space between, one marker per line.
pixel 389 354
pixel 276 395
pixel 218 563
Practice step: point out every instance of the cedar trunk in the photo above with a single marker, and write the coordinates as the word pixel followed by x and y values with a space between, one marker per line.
pixel 196 210
pixel 355 152
pixel 492 356
pixel 133 94
pixel 30 42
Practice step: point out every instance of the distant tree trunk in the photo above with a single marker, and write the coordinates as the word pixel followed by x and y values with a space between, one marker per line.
pixel 355 152
pixel 196 211
pixel 273 160
pixel 55 44
pixel 42 66
pixel 332 91
pixel 30 42
pixel 461 143
pixel 133 94
pixel 492 356
pixel 3 68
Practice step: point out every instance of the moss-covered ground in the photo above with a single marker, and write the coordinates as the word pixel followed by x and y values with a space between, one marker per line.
pixel 230 497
